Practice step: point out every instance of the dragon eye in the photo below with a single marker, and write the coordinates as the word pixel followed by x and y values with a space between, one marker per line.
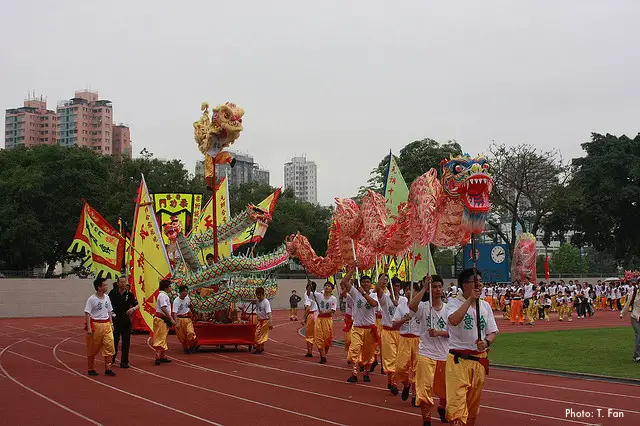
pixel 457 168
pixel 485 166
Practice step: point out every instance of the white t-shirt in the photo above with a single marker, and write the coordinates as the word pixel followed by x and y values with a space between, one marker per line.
pixel 263 309
pixel 432 347
pixel 552 290
pixel 97 308
pixel 349 310
pixel 329 304
pixel 162 301
pixel 311 303
pixel 488 291
pixel 363 313
pixel 181 306
pixel 528 291
pixel 388 309
pixel 410 327
pixel 464 335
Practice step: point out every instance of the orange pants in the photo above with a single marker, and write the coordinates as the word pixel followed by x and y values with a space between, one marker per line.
pixel 309 328
pixel 185 333
pixel 323 334
pixel 430 380
pixel 362 349
pixel 379 327
pixel 262 331
pixel 491 302
pixel 390 340
pixel 100 339
pixel 464 382
pixel 407 359
pixel 348 323
pixel 160 332
pixel 516 311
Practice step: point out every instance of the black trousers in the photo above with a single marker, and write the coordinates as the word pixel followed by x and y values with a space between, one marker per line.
pixel 122 328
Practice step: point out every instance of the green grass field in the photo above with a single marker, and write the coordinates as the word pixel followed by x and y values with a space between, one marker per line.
pixel 602 351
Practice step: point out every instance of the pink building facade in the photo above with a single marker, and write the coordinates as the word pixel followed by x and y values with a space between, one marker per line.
pixel 84 120
pixel 32 124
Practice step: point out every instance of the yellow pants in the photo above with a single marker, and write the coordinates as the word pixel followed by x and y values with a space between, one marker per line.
pixel 407 359
pixel 507 312
pixel 430 380
pixel 309 328
pixel 160 331
pixel 565 310
pixel 185 333
pixel 390 340
pixel 379 327
pixel 464 383
pixel 100 339
pixel 554 305
pixel 323 334
pixel 293 313
pixel 262 331
pixel 348 322
pixel 362 348
pixel 530 312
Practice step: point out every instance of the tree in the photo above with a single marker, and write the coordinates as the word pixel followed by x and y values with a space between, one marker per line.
pixel 415 159
pixel 601 203
pixel 566 260
pixel 526 183
pixel 42 190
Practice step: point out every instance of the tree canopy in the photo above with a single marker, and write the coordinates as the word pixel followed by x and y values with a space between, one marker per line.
pixel 42 190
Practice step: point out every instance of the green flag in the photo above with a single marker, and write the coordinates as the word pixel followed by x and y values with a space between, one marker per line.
pixel 396 192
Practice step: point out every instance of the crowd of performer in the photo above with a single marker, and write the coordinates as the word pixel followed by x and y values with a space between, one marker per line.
pixel 426 347
pixel 525 302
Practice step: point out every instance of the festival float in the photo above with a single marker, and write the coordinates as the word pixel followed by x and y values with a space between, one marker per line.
pixel 180 250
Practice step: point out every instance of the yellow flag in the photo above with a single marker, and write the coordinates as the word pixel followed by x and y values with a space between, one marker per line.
pixel 149 258
pixel 100 245
pixel 205 221
pixel 254 233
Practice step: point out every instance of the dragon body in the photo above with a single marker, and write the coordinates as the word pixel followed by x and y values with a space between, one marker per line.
pixel 442 211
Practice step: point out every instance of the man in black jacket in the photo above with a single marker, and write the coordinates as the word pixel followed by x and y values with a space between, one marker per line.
pixel 124 305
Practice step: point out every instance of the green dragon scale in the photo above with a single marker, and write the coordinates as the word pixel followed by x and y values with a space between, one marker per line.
pixel 232 279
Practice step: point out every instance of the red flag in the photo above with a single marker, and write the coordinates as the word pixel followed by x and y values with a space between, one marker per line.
pixel 547 275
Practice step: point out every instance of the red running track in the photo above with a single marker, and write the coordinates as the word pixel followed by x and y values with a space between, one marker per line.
pixel 43 381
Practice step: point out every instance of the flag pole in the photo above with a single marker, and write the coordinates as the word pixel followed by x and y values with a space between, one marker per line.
pixel 475 282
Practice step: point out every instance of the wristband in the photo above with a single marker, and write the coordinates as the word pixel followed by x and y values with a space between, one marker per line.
pixel 487 342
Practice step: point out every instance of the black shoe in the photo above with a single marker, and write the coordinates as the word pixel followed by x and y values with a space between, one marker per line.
pixel 426 423
pixel 373 366
pixel 353 379
pixel 124 365
pixel 366 378
pixel 187 351
pixel 109 373
pixel 165 360
pixel 157 362
pixel 382 370
pixel 93 373
pixel 309 355
pixel 389 386
pixel 323 360
pixel 443 417
pixel 361 368
pixel 393 389
pixel 405 393
pixel 113 360
pixel 413 401
pixel 256 352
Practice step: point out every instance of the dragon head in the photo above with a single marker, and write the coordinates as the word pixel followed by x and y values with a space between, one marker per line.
pixel 468 179
pixel 222 130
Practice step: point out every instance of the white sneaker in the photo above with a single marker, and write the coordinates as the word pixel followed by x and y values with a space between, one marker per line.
pixel 637 359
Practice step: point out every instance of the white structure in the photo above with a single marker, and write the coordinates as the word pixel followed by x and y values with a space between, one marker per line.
pixel 301 176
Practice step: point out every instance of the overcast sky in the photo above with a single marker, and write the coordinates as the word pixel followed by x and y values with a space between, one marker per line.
pixel 340 81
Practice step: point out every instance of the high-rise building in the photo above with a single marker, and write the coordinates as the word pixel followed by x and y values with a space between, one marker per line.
pixel 30 125
pixel 121 140
pixel 84 120
pixel 301 176
pixel 245 170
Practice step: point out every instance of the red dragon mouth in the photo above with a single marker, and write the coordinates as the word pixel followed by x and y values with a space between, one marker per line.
pixel 477 188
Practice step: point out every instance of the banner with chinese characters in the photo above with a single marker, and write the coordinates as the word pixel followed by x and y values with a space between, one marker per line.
pixel 149 260
pixel 205 221
pixel 100 245
pixel 186 207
